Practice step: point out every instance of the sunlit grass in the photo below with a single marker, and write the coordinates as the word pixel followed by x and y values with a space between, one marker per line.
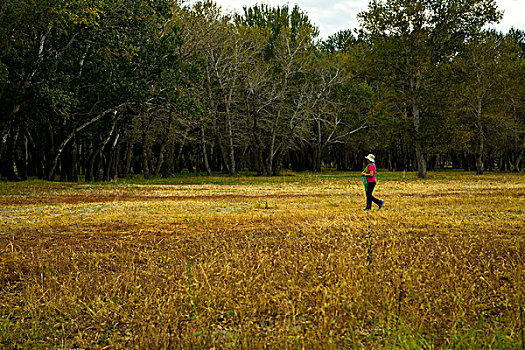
pixel 253 262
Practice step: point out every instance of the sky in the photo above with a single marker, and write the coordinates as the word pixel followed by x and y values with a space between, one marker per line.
pixel 331 16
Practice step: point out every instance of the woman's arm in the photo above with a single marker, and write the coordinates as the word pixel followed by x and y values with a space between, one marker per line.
pixel 370 172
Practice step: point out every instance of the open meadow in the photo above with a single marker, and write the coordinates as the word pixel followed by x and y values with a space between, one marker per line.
pixel 254 262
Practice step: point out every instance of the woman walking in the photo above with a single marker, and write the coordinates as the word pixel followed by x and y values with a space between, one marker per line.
pixel 370 175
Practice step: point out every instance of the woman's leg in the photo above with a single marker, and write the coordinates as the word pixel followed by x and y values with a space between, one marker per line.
pixel 376 201
pixel 369 197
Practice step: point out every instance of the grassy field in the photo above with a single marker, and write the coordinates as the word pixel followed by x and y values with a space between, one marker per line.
pixel 246 262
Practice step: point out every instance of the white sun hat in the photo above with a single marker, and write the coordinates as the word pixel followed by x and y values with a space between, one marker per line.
pixel 371 157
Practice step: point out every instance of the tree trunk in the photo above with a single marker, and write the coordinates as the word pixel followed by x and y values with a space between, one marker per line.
pixel 144 150
pixel 180 165
pixel 81 161
pixel 481 136
pixel 229 130
pixel 204 151
pixel 519 146
pixel 92 171
pixel 90 164
pixel 162 148
pixel 116 160
pixel 390 167
pixel 145 161
pixel 189 164
pixel 516 164
pixel 490 159
pixel 50 153
pixel 23 168
pixel 169 165
pixel 160 157
pixel 318 148
pixel 71 169
pixel 258 146
pixel 38 156
pixel 415 86
pixel 479 158
pixel 3 152
pixel 277 164
pixel 271 152
pixel 3 142
pixel 110 159
pixel 8 159
pixel 7 148
pixel 420 157
pixel 129 156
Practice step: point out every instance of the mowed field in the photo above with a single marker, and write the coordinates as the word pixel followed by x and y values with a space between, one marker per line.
pixel 289 262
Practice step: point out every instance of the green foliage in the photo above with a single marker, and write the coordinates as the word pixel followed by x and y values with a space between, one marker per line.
pixel 342 41
pixel 277 20
pixel 149 86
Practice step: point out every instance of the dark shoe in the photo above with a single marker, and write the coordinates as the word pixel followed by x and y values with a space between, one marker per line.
pixel 367 209
pixel 381 204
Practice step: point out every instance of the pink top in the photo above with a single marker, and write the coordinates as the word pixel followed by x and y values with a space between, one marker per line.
pixel 371 170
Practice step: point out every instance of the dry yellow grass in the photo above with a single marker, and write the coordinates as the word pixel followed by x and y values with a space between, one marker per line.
pixel 289 262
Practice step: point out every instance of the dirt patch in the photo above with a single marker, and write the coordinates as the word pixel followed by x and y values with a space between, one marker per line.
pixel 141 198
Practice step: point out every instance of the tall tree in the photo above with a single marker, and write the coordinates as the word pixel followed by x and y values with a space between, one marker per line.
pixel 282 109
pixel 476 92
pixel 409 39
pixel 513 82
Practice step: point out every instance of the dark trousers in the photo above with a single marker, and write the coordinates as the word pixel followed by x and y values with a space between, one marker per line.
pixel 369 197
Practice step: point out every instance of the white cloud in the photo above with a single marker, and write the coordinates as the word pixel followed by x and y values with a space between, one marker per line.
pixel 513 15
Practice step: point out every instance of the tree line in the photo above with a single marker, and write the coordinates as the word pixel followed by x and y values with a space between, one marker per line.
pixel 107 89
